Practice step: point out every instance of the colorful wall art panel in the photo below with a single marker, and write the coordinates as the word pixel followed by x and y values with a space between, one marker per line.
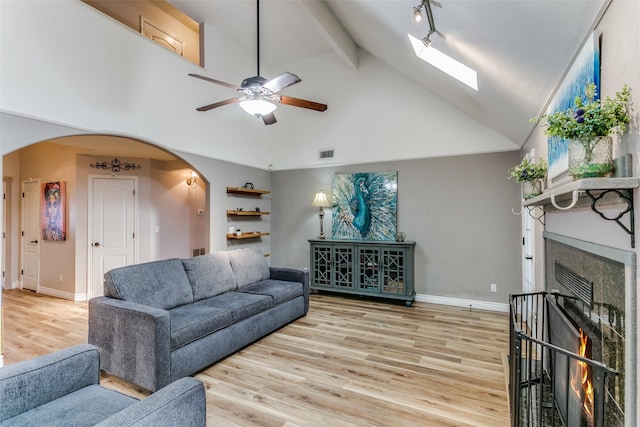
pixel 365 206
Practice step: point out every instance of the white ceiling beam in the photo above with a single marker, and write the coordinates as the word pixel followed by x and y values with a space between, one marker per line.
pixel 332 31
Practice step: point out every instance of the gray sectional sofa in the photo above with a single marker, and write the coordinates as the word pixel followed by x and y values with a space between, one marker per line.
pixel 164 320
pixel 62 389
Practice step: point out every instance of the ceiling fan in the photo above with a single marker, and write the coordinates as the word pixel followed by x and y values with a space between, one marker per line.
pixel 259 96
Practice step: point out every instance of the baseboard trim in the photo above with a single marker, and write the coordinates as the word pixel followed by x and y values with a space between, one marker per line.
pixel 462 302
pixel 61 294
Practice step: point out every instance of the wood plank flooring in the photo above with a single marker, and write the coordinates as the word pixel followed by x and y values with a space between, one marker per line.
pixel 349 362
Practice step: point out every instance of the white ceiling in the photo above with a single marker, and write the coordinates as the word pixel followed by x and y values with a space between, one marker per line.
pixel 519 48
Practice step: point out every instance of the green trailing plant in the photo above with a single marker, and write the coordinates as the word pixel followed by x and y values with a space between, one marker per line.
pixel 528 171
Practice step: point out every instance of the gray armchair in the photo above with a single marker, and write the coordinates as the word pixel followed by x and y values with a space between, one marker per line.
pixel 62 388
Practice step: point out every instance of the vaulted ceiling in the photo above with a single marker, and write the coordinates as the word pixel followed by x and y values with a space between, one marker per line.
pixel 519 48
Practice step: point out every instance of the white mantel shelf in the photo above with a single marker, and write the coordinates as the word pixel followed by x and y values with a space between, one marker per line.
pixel 564 192
pixel 593 192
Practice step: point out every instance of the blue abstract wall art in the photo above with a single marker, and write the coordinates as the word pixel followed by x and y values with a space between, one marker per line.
pixel 584 70
pixel 365 206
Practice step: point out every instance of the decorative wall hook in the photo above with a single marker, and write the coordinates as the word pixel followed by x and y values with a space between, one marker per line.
pixel 574 199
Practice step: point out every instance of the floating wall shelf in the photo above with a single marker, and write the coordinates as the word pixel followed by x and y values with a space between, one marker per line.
pixel 593 192
pixel 245 213
pixel 247 191
pixel 247 235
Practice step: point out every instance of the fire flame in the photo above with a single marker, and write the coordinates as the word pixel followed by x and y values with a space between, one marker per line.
pixel 585 384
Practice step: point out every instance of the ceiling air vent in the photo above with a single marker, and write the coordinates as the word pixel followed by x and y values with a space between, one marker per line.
pixel 327 154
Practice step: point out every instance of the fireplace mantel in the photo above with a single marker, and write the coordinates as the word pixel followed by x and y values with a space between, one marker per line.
pixel 595 193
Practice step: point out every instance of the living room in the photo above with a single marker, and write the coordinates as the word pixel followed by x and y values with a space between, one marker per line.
pixel 453 196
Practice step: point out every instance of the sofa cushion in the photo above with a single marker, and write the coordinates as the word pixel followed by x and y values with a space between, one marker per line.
pixel 241 305
pixel 210 275
pixel 160 284
pixel 85 407
pixel 193 321
pixel 279 290
pixel 248 266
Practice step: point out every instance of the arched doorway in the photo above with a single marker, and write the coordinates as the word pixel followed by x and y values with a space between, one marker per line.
pixel 170 219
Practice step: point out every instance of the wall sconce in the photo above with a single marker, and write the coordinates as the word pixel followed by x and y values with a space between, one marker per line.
pixel 322 202
pixel 192 181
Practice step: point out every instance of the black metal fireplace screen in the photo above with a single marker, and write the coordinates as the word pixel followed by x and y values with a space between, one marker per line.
pixel 550 385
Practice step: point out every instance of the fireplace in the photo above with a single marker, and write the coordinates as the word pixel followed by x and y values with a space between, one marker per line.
pixel 573 351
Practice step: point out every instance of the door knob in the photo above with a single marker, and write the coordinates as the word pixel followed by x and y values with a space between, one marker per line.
pixel 34 241
pixel 96 244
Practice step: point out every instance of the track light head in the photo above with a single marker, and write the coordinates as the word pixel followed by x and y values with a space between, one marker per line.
pixel 426 41
pixel 417 14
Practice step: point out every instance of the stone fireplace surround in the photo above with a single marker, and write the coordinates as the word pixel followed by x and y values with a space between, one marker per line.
pixel 613 273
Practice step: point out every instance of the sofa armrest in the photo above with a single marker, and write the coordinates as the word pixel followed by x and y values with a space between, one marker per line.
pixel 133 339
pixel 26 385
pixel 293 275
pixel 181 403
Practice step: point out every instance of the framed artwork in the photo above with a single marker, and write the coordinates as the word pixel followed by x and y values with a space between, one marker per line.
pixel 53 211
pixel 585 70
pixel 364 206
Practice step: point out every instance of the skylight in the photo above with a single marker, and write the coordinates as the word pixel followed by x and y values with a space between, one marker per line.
pixel 445 63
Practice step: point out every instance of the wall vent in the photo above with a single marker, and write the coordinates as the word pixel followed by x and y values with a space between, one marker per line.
pixel 326 154
pixel 580 286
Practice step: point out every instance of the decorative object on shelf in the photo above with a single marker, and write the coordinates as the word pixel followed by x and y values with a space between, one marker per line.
pixel 238 232
pixel 530 175
pixel 53 211
pixel 257 209
pixel 588 126
pixel 585 70
pixel 115 165
pixel 248 185
pixel 192 181
pixel 322 202
pixel 365 206
pixel 400 237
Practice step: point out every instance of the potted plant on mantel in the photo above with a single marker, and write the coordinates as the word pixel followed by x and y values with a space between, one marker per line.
pixel 589 127
pixel 530 175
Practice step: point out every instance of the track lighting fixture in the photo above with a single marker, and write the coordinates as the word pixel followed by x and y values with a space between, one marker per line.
pixel 417 16
pixel 426 41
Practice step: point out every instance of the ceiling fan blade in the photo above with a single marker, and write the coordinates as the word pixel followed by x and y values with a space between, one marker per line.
pixel 218 104
pixel 269 119
pixel 218 82
pixel 296 102
pixel 283 80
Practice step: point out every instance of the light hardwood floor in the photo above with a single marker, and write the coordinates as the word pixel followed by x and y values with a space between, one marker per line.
pixel 349 362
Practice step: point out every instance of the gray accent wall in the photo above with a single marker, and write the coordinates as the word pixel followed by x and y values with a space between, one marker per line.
pixel 457 209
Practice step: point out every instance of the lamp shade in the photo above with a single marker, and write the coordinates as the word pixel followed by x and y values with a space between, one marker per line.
pixel 258 106
pixel 321 200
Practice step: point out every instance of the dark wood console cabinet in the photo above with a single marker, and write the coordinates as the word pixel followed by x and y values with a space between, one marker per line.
pixel 359 267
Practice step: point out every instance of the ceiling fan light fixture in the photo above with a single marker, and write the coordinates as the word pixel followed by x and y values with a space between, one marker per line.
pixel 258 106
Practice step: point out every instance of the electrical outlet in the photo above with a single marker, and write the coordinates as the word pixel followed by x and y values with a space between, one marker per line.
pixel 60 278
pixel 494 287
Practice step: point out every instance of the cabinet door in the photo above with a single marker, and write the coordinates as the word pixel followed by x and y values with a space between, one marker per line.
pixel 321 266
pixel 369 269
pixel 343 267
pixel 394 261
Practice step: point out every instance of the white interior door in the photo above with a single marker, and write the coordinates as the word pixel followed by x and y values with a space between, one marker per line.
pixel 112 214
pixel 31 235
pixel 528 251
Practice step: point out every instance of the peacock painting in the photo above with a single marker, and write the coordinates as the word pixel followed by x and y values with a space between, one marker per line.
pixel 365 206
